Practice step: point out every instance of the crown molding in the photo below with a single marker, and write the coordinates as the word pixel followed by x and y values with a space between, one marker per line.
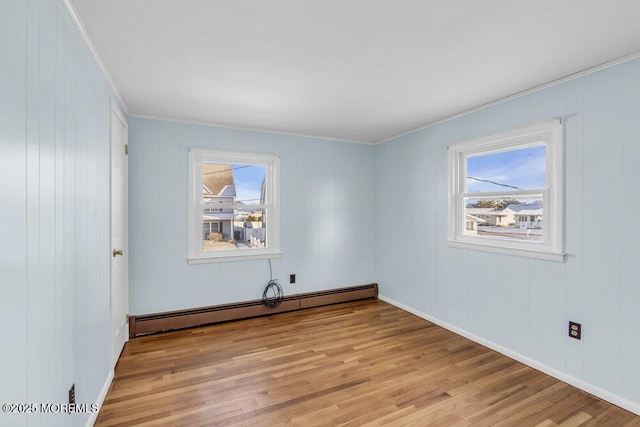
pixel 577 75
pixel 75 17
pixel 87 38
pixel 249 129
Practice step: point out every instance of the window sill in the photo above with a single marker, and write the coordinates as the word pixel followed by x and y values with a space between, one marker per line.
pixel 232 258
pixel 527 253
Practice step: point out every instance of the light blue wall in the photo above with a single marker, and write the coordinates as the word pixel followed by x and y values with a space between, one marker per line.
pixel 327 219
pixel 350 215
pixel 54 218
pixel 518 303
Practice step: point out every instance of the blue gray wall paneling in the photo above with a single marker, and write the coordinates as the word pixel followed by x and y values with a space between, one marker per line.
pixel 522 304
pixel 327 217
pixel 351 214
pixel 54 151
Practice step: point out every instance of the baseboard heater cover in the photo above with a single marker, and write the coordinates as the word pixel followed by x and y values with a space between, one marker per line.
pixel 180 319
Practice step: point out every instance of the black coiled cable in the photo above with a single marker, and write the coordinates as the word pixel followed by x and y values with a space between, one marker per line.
pixel 272 295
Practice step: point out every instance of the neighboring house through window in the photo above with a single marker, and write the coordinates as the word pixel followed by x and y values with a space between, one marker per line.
pixel 506 192
pixel 231 195
pixel 218 190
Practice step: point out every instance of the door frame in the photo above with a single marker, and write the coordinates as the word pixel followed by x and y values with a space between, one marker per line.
pixel 123 328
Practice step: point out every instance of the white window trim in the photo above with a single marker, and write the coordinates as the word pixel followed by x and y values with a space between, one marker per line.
pixel 552 248
pixel 197 156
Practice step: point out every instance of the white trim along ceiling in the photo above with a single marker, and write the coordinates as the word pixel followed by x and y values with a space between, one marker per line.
pixel 363 71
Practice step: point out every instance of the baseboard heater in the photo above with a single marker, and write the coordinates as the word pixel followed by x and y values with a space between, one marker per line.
pixel 180 319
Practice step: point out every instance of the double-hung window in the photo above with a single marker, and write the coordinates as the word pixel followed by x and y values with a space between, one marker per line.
pixel 233 206
pixel 506 192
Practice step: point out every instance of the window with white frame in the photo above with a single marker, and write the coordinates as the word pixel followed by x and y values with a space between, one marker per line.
pixel 233 206
pixel 506 192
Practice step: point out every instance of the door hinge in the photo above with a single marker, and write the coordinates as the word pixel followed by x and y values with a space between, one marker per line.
pixel 126 149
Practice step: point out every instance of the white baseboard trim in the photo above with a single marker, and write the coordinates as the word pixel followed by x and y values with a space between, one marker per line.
pixel 103 394
pixel 562 376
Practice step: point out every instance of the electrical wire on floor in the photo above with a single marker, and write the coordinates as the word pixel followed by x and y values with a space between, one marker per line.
pixel 272 295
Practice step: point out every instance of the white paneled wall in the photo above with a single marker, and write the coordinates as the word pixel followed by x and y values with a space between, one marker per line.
pixel 327 218
pixel 630 248
pixel 603 228
pixel 520 304
pixel 349 217
pixel 54 220
pixel 13 224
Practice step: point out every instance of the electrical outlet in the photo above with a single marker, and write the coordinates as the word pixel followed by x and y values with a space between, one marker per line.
pixel 292 278
pixel 72 394
pixel 575 330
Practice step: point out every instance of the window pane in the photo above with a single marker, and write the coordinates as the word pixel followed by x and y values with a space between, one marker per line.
pixel 233 197
pixel 504 218
pixel 523 169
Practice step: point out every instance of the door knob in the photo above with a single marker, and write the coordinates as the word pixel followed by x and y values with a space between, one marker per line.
pixel 117 252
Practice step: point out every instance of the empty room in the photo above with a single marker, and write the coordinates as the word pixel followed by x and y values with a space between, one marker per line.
pixel 265 213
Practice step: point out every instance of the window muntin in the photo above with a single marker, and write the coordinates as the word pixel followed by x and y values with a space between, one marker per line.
pixel 233 208
pixel 505 192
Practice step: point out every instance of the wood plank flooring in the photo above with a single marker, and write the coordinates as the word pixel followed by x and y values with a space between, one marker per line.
pixel 354 364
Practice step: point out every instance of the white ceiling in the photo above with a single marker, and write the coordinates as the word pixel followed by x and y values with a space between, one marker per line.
pixel 359 70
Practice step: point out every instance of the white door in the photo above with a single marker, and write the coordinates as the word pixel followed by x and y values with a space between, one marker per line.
pixel 119 242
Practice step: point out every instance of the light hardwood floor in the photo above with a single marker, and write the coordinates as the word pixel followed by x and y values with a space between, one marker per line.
pixel 363 363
